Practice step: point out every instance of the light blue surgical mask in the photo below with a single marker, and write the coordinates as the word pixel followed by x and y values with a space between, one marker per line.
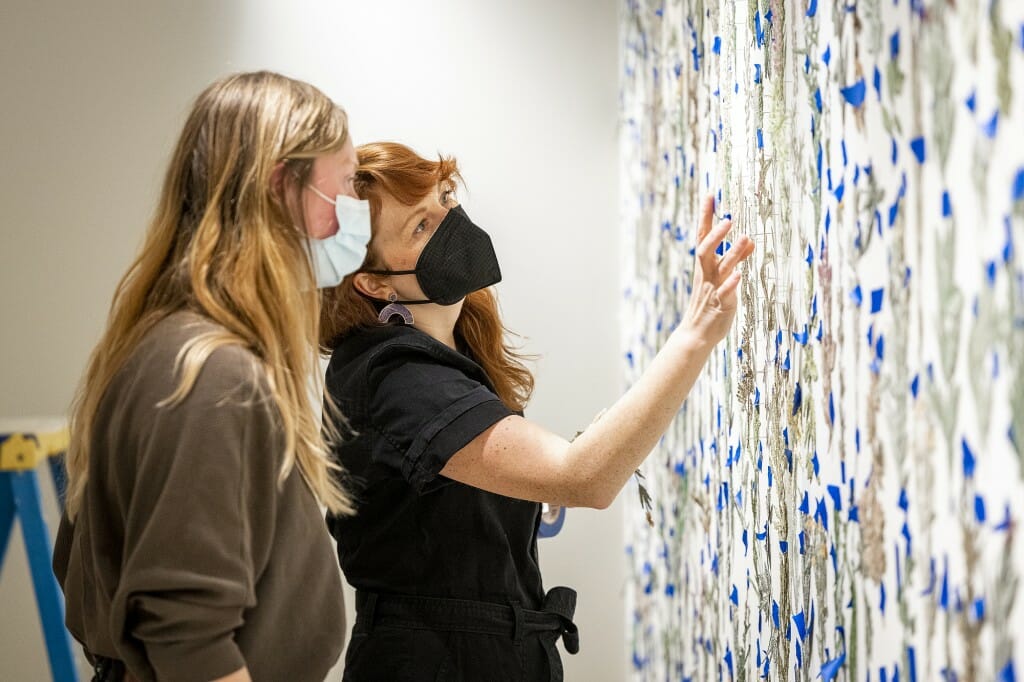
pixel 344 251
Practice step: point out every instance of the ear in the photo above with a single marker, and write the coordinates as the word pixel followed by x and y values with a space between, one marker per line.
pixel 371 285
pixel 277 182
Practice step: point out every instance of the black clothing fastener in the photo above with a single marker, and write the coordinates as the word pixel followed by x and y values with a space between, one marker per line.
pixel 412 403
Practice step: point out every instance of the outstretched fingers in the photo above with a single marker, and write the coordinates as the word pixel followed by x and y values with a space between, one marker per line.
pixel 709 265
pixel 739 252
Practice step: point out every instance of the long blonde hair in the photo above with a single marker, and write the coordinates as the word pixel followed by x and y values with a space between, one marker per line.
pixel 389 168
pixel 226 246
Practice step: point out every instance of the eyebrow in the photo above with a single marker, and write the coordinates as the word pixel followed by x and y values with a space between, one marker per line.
pixel 421 211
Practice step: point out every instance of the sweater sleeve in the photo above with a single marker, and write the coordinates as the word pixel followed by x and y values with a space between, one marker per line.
pixel 198 524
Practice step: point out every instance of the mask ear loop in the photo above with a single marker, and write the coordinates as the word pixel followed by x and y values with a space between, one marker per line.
pixel 393 308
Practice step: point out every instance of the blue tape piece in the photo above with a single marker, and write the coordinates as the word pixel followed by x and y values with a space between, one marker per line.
pixel 549 530
pixel 830 669
pixel 968 456
pixel 854 94
pixel 990 127
pixel 917 146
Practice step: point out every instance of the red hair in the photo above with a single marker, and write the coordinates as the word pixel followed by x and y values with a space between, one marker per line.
pixel 389 168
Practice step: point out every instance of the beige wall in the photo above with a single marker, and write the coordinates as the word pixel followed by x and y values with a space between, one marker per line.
pixel 524 93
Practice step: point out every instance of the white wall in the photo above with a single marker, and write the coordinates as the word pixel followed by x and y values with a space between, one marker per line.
pixel 523 93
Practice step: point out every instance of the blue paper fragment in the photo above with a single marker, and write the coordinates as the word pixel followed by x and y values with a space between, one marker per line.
pixel 971 101
pixel 812 8
pixel 827 56
pixel 757 73
pixel 904 503
pixel 760 139
pixel 814 463
pixel 857 296
pixel 829 669
pixel 990 127
pixel 911 664
pixel 1018 185
pixel 895 151
pixel 876 82
pixel 1007 522
pixel 716 45
pixel 979 508
pixel 728 660
pixel 758 31
pixel 979 608
pixel 947 207
pixel 833 491
pixel 894 45
pixel 877 298
pixel 783 546
pixel 805 505
pixel 944 589
pixel 881 597
pixel 854 94
pixel 1007 674
pixel 821 513
pixel 932 579
pixel 840 190
pixel 917 146
pixel 818 104
pixel 775 613
pixel 734 597
pixel 968 457
pixel 854 514
pixel 801 625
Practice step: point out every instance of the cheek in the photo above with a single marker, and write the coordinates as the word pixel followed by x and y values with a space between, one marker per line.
pixel 399 257
pixel 321 221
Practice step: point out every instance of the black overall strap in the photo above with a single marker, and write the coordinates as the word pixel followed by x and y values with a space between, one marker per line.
pixel 552 622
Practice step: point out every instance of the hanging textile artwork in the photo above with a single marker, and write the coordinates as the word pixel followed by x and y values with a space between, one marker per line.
pixel 840 496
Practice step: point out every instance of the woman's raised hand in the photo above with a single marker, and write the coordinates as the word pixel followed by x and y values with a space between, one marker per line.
pixel 712 305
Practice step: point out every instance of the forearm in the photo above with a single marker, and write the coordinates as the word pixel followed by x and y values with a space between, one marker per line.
pixel 602 458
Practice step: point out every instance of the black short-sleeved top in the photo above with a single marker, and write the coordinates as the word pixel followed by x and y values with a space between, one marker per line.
pixel 413 403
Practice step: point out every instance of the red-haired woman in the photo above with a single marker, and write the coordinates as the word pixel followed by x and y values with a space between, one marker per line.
pixel 446 473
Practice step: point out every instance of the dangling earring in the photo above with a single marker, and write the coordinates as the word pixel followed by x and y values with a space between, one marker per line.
pixel 392 309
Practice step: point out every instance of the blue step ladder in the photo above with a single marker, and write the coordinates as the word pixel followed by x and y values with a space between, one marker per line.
pixel 24 445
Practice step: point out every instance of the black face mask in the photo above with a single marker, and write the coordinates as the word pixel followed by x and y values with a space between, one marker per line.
pixel 458 260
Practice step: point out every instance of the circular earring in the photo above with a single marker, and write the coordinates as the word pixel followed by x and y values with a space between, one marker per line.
pixel 392 309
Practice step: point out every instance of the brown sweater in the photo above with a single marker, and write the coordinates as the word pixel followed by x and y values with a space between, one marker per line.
pixel 188 560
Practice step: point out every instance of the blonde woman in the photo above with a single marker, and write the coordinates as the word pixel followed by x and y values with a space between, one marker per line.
pixel 193 546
